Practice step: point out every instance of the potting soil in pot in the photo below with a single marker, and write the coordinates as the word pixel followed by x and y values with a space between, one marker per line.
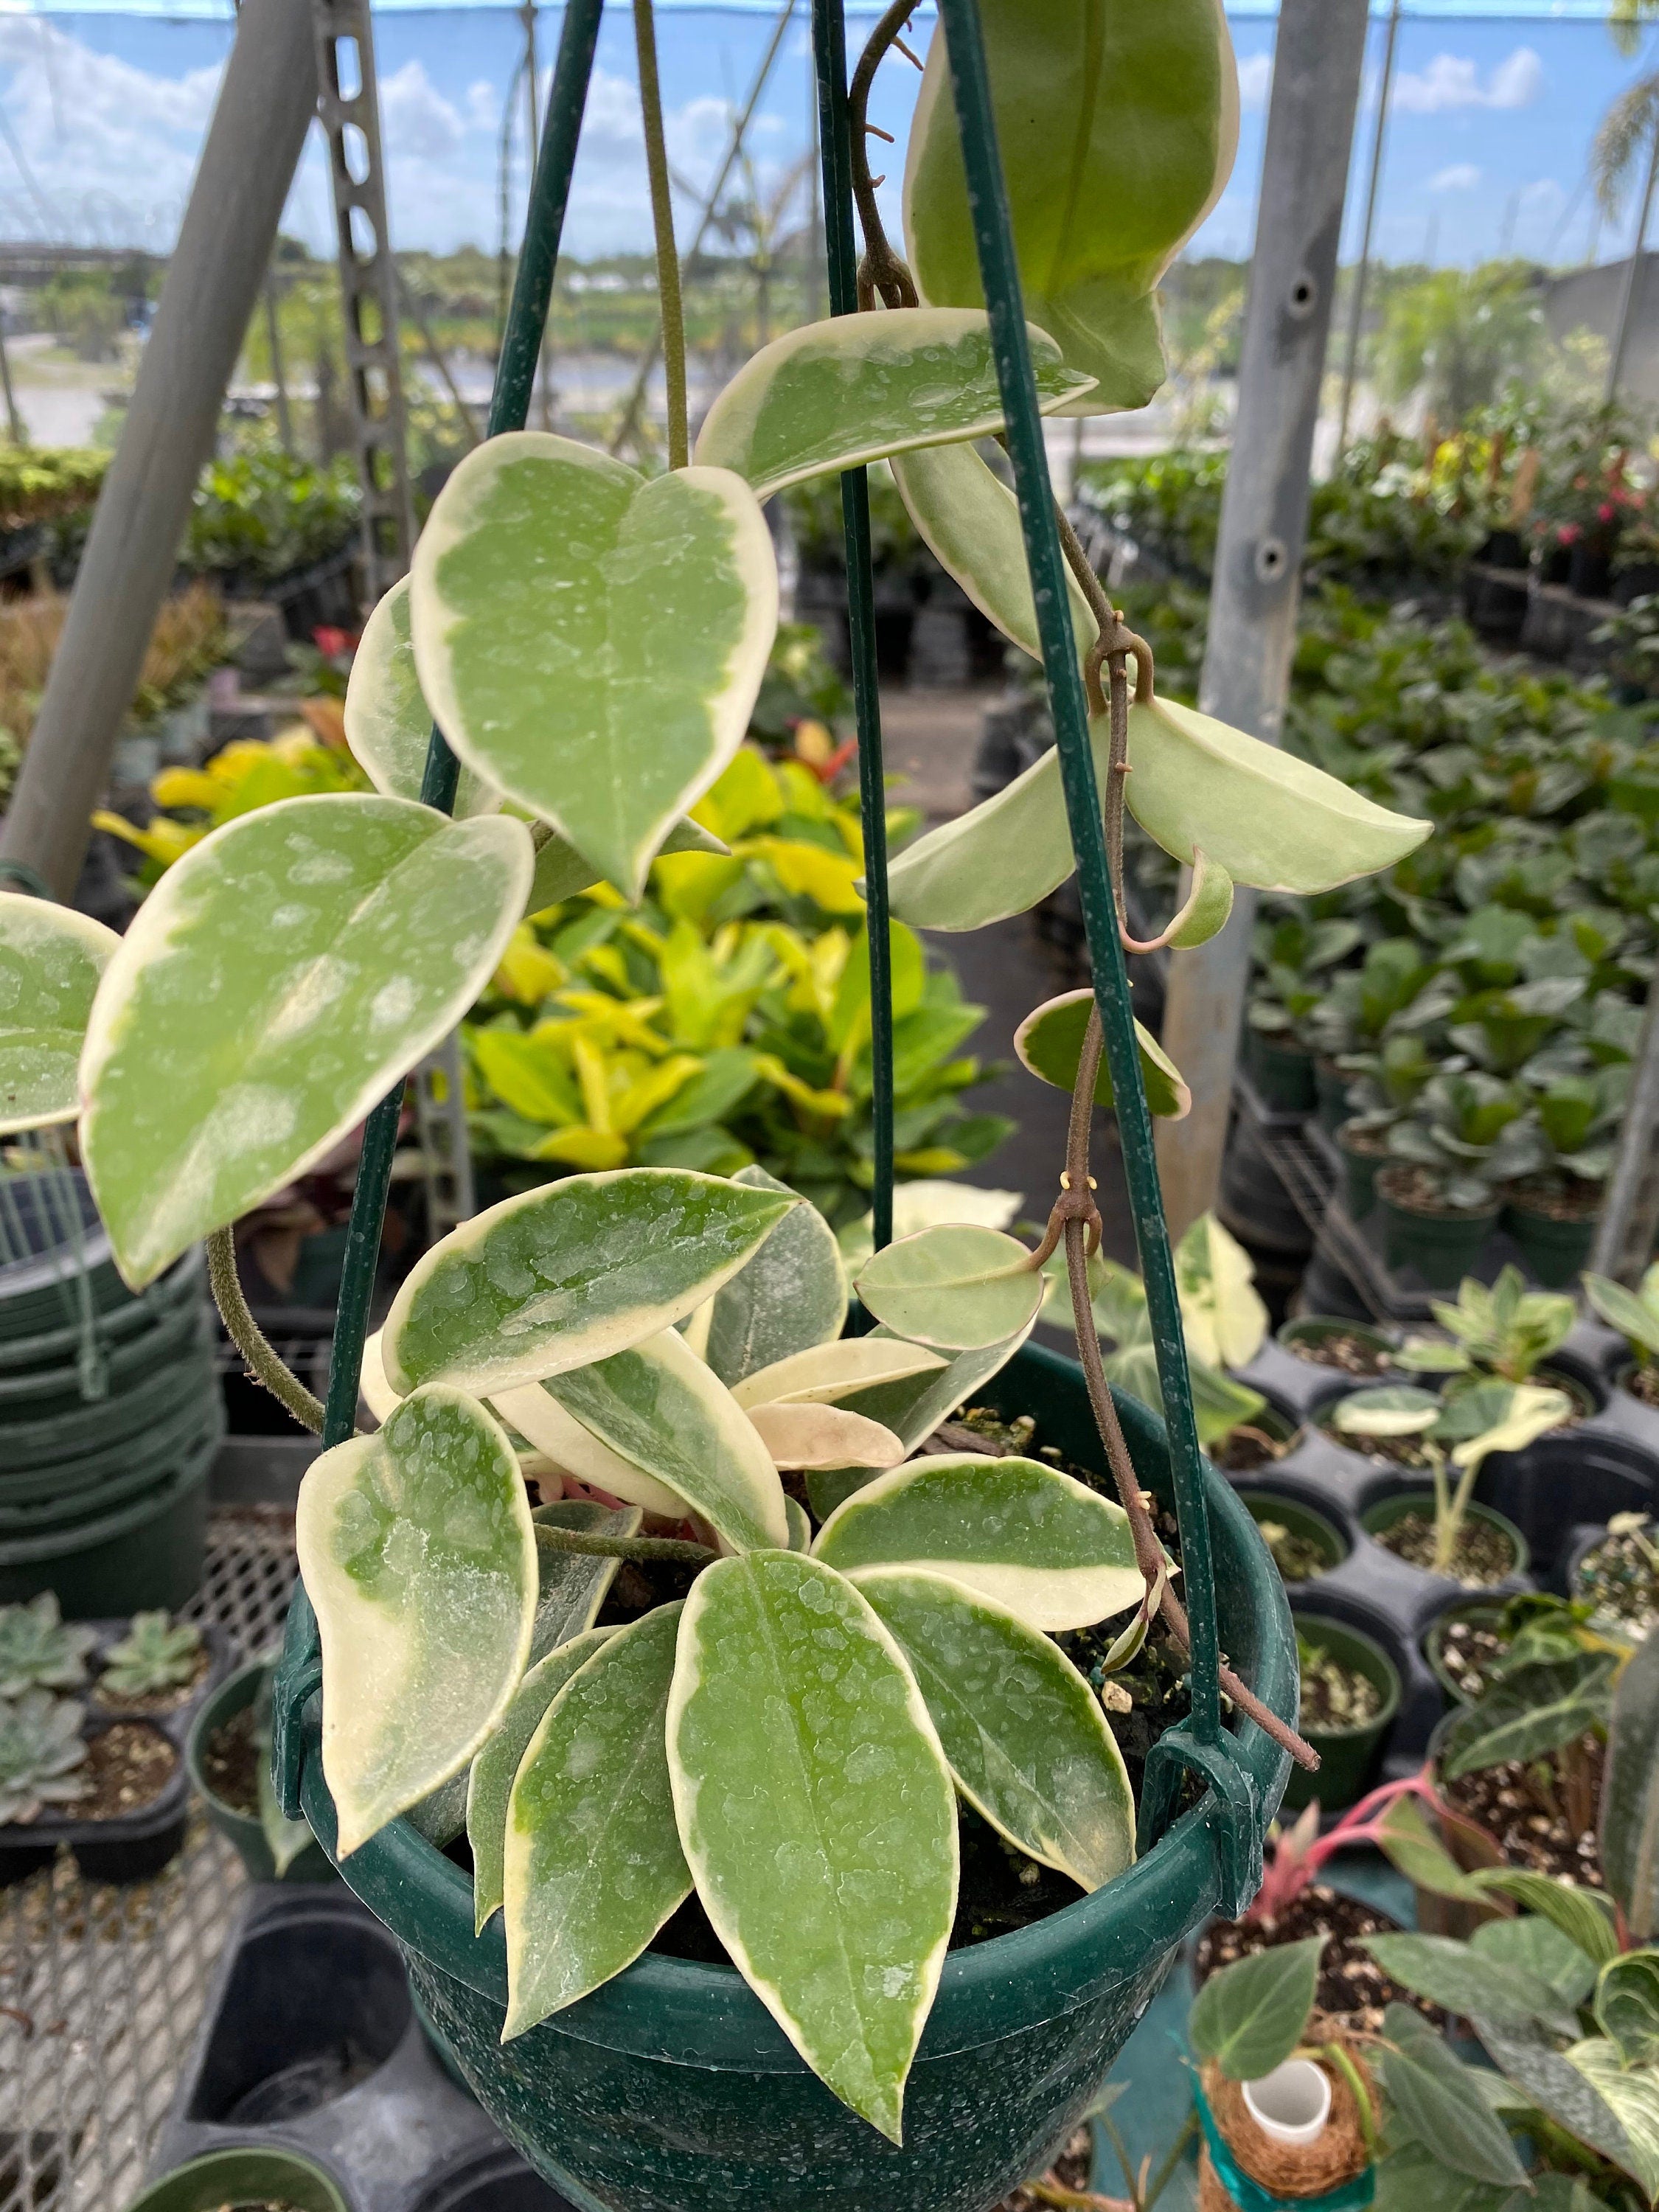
pixel 1398 1451
pixel 1620 1578
pixel 1642 1383
pixel 129 1765
pixel 1348 1355
pixel 1247 1448
pixel 1527 1817
pixel 1334 1698
pixel 1353 1990
pixel 1469 1650
pixel 1483 1554
pixel 230 1762
pixel 1299 1559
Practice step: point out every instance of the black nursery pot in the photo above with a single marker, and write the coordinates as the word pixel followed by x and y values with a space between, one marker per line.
pixel 1359 1172
pixel 1589 569
pixel 1282 1073
pixel 1347 1756
pixel 1556 1250
pixel 1566 1487
pixel 1636 580
pixel 1442 1248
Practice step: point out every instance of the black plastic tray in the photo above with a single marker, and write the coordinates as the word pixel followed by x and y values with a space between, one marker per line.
pixel 311 2043
pixel 132 1845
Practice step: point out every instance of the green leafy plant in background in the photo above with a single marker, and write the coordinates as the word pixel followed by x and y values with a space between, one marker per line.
pixel 1502 1329
pixel 1465 1135
pixel 660 1345
pixel 260 514
pixel 157 1653
pixel 1634 1314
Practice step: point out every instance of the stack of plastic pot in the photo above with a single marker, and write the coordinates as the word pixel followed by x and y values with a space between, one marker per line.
pixel 110 1413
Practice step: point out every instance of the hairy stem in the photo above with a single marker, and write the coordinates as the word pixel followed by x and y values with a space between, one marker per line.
pixel 882 272
pixel 662 219
pixel 250 1340
pixel 668 1548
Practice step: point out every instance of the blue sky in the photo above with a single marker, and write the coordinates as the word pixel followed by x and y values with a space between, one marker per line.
pixel 101 116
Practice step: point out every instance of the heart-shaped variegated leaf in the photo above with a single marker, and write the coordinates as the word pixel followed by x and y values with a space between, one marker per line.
pixel 816 1812
pixel 801 1525
pixel 388 724
pixel 572 1585
pixel 1019 1532
pixel 658 1405
pixel 51 960
pixel 958 1288
pixel 275 983
pixel 831 395
pixel 970 521
pixel 1051 1043
pixel 490 1778
pixel 539 1417
pixel 790 1296
pixel 1260 813
pixel 592 642
pixel 815 1436
pixel 388 727
pixel 1024 1734
pixel 830 1372
pixel 1098 107
pixel 592 1864
pixel 419 1556
pixel 569 1273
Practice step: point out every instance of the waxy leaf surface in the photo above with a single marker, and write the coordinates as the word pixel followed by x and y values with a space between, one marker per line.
pixel 570 1272
pixel 1098 107
pixel 572 1585
pixel 831 395
pixel 790 1296
pixel 1015 1530
pixel 51 960
pixel 816 1810
pixel 275 984
pixel 659 1406
pixel 830 1372
pixel 1249 2017
pixel 1024 1734
pixel 388 724
pixel 492 1776
pixel 1049 1042
pixel 593 1865
pixel 591 642
pixel 957 1289
pixel 539 1418
pixel 418 1554
pixel 810 1435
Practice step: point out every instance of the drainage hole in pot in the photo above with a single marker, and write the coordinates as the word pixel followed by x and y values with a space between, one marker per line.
pixel 1482 1554
pixel 129 1765
pixel 313 2008
pixel 230 1762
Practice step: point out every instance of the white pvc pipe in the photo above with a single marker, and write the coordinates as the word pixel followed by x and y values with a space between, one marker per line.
pixel 1292 2104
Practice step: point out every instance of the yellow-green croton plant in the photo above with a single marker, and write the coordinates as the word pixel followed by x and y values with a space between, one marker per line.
pixel 790 1739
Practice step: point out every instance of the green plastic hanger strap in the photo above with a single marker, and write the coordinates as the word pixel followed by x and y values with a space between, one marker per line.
pixel 830 54
pixel 999 276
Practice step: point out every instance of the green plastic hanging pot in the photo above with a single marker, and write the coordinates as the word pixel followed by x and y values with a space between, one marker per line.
pixel 142 1555
pixel 1347 1756
pixel 671 2089
pixel 149 1465
pixel 243 1830
pixel 1556 1251
pixel 1442 1248
pixel 25 1490
pixel 58 1346
pixel 251 2175
pixel 100 1423
pixel 1283 1074
pixel 37 1395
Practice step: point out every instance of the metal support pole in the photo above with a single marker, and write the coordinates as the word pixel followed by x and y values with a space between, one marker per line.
pixel 350 105
pixel 264 105
pixel 531 94
pixel 1625 1233
pixel 1632 274
pixel 274 337
pixel 1362 274
pixel 14 421
pixel 1318 57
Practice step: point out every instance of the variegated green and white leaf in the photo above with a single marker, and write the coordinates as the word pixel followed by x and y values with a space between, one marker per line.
pixel 388 724
pixel 1225 1318
pixel 830 1372
pixel 542 1421
pixel 1259 812
pixel 418 1554
pixel 275 984
pixel 591 642
pixel 570 1272
pixel 573 1585
pixel 592 1864
pixel 1026 1736
pixel 1017 1531
pixel 1632 2092
pixel 789 1297
pixel 375 1392
pixel 815 1436
pixel 562 872
pixel 660 1408
pixel 970 521
pixel 829 395
pixel 1097 107
pixel 958 1288
pixel 794 1718
pixel 492 1773
pixel 1049 1042
pixel 800 1524
pixel 51 960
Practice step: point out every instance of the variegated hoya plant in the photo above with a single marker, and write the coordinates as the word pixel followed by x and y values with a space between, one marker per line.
pixel 789 1740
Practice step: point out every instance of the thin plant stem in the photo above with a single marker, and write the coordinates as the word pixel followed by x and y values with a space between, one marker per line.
pixel 1166 2172
pixel 251 1340
pixel 882 273
pixel 665 1549
pixel 1445 1541
pixel 662 218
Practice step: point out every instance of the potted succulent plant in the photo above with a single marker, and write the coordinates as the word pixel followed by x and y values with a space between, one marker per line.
pixel 672 1343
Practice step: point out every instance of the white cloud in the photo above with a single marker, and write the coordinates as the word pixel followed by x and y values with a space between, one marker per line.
pixel 483 106
pixel 416 117
pixel 1461 177
pixel 1453 81
pixel 1543 197
pixel 1256 76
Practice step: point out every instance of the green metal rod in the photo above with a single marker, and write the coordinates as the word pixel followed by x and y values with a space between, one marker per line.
pixel 988 202
pixel 830 50
pixel 509 408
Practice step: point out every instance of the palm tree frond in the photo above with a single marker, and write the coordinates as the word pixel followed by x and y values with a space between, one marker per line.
pixel 1625 133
